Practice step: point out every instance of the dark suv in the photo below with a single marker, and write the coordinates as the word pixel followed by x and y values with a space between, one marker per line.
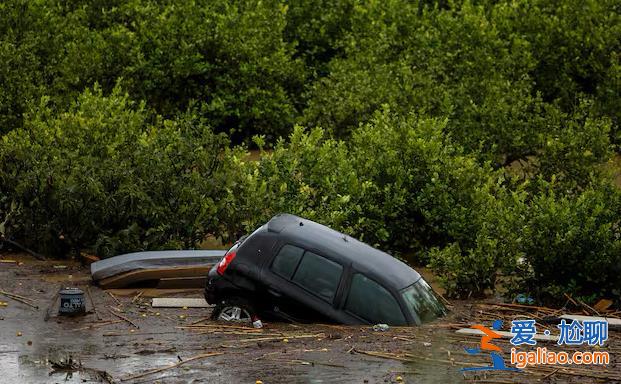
pixel 295 269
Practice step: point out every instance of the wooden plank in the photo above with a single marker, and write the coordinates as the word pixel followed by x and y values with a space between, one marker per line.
pixel 182 282
pixel 141 275
pixel 610 320
pixel 179 302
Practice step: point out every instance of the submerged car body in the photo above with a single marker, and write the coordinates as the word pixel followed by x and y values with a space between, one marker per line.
pixel 298 270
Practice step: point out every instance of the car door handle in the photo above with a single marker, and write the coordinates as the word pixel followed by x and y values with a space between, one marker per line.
pixel 274 292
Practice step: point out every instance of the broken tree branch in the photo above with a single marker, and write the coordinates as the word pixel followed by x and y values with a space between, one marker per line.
pixel 90 297
pixel 49 307
pixel 21 299
pixel 114 298
pixel 93 326
pixel 137 296
pixel 276 338
pixel 383 355
pixel 123 318
pixel 38 256
pixel 157 370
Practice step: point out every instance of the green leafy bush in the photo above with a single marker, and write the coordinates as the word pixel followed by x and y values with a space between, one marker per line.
pixel 419 62
pixel 500 80
pixel 575 147
pixel 101 176
pixel 427 191
pixel 229 57
pixel 572 244
pixel 310 175
pixel 317 29
pixel 575 45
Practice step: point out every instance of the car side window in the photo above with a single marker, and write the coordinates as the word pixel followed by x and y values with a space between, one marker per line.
pixel 372 302
pixel 318 275
pixel 287 260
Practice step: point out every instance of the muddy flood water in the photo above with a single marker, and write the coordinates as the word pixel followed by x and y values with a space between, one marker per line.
pixel 124 340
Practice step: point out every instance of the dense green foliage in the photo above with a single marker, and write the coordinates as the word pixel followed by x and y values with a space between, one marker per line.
pixel 474 136
pixel 396 176
pixel 230 57
pixel 572 244
pixel 101 176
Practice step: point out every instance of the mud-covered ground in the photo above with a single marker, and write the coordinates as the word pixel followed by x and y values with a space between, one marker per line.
pixel 110 349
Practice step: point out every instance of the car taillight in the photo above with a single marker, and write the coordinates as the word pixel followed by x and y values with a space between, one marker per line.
pixel 224 263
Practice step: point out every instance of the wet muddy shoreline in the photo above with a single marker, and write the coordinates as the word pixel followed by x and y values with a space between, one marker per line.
pixel 154 338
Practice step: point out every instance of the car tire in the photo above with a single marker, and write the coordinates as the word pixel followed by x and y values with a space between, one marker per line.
pixel 234 309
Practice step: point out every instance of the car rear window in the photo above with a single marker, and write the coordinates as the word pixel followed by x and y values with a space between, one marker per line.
pixel 372 302
pixel 287 260
pixel 318 275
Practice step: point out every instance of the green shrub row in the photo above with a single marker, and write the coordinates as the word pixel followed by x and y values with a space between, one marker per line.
pixel 496 68
pixel 102 176
pixel 229 57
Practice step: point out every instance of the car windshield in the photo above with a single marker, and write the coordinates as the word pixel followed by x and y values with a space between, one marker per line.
pixel 422 301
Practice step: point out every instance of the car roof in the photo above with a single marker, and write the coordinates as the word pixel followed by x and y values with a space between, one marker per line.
pixel 376 264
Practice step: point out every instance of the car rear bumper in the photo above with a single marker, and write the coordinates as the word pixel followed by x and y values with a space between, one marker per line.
pixel 217 287
pixel 210 286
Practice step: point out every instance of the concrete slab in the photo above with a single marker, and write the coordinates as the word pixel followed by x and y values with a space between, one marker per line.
pixel 179 302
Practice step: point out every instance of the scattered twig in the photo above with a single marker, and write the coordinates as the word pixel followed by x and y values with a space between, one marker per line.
pixel 451 361
pixel 49 307
pixel 200 320
pixel 157 370
pixel 123 318
pixel 275 338
pixel 90 297
pixel 21 299
pixel 588 306
pixel 447 325
pixel 263 356
pixel 444 300
pixel 203 326
pixel 114 298
pixel 549 374
pixel 15 295
pixel 583 373
pixel 570 299
pixel 119 334
pixel 383 355
pixel 92 326
pixel 137 296
pixel 304 362
pixel 23 248
pixel 579 303
pixel 531 307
